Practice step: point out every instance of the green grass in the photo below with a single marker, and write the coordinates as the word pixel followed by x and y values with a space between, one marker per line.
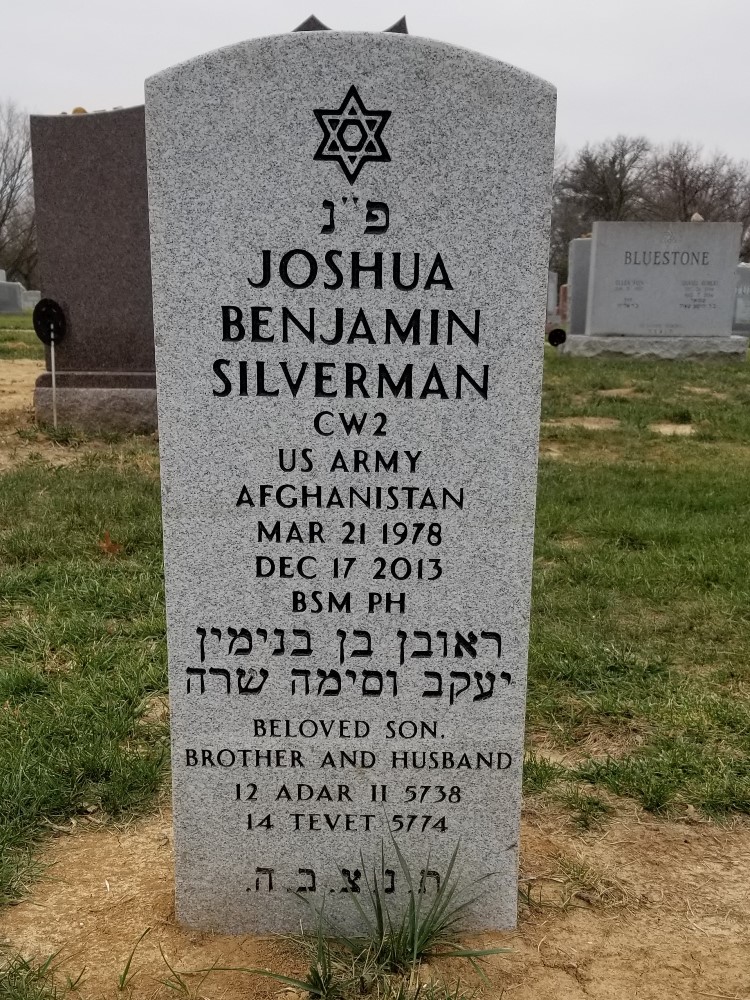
pixel 17 338
pixel 81 649
pixel 641 613
pixel 22 980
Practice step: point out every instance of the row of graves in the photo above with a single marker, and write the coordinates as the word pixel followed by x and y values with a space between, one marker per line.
pixel 654 289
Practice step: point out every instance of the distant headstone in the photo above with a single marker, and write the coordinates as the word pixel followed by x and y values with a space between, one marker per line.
pixel 11 297
pixel 30 299
pixel 741 321
pixel 348 417
pixel 579 262
pixel 661 289
pixel 552 278
pixel 2 276
pixel 92 223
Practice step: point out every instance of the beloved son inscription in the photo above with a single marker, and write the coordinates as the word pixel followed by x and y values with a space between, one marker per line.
pixel 349 240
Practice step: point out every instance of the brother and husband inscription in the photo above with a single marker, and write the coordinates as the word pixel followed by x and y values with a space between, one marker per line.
pixel 349 241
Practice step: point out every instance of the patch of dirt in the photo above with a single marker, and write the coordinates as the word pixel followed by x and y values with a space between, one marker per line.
pixel 701 390
pixel 622 392
pixel 672 430
pixel 639 908
pixel 571 542
pixel 16 447
pixel 157 710
pixel 588 423
pixel 21 440
pixel 595 744
pixel 589 449
pixel 17 380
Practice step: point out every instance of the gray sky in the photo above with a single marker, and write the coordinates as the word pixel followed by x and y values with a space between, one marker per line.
pixel 667 69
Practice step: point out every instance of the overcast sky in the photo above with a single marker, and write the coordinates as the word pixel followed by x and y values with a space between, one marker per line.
pixel 666 69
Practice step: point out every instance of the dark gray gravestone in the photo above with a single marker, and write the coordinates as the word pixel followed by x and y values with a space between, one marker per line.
pixel 349 238
pixel 92 224
pixel 579 262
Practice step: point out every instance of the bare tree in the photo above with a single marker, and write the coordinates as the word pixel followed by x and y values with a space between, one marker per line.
pixel 602 182
pixel 682 181
pixel 606 181
pixel 17 232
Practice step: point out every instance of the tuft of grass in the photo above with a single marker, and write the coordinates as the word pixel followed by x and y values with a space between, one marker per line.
pixel 399 941
pixel 539 773
pixel 323 980
pixel 588 810
pixel 125 978
pixel 20 980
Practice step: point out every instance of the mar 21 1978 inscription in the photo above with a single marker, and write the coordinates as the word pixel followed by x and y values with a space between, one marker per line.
pixel 349 238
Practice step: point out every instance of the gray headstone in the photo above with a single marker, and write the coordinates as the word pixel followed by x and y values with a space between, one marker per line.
pixel 662 279
pixel 741 322
pixel 11 297
pixel 552 293
pixel 347 609
pixel 2 276
pixel 579 262
pixel 659 290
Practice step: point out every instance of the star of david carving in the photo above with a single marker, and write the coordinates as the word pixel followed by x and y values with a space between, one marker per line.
pixel 352 135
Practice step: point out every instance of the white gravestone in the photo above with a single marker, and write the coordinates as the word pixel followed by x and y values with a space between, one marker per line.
pixel 661 289
pixel 348 415
pixel 11 297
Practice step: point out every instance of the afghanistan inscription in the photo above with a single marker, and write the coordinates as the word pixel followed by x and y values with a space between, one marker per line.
pixel 349 240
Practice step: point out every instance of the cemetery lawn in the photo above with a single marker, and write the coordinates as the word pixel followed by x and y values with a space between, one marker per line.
pixel 637 782
pixel 639 677
pixel 81 645
pixel 17 338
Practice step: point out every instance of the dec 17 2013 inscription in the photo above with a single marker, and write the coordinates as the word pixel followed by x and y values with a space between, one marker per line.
pixel 348 246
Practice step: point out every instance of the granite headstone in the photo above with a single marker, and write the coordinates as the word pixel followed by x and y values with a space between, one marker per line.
pixel 11 297
pixel 741 321
pixel 579 262
pixel 91 199
pixel 552 281
pixel 348 415
pixel 661 289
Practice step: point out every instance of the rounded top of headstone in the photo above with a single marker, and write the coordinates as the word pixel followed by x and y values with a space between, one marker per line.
pixel 342 50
